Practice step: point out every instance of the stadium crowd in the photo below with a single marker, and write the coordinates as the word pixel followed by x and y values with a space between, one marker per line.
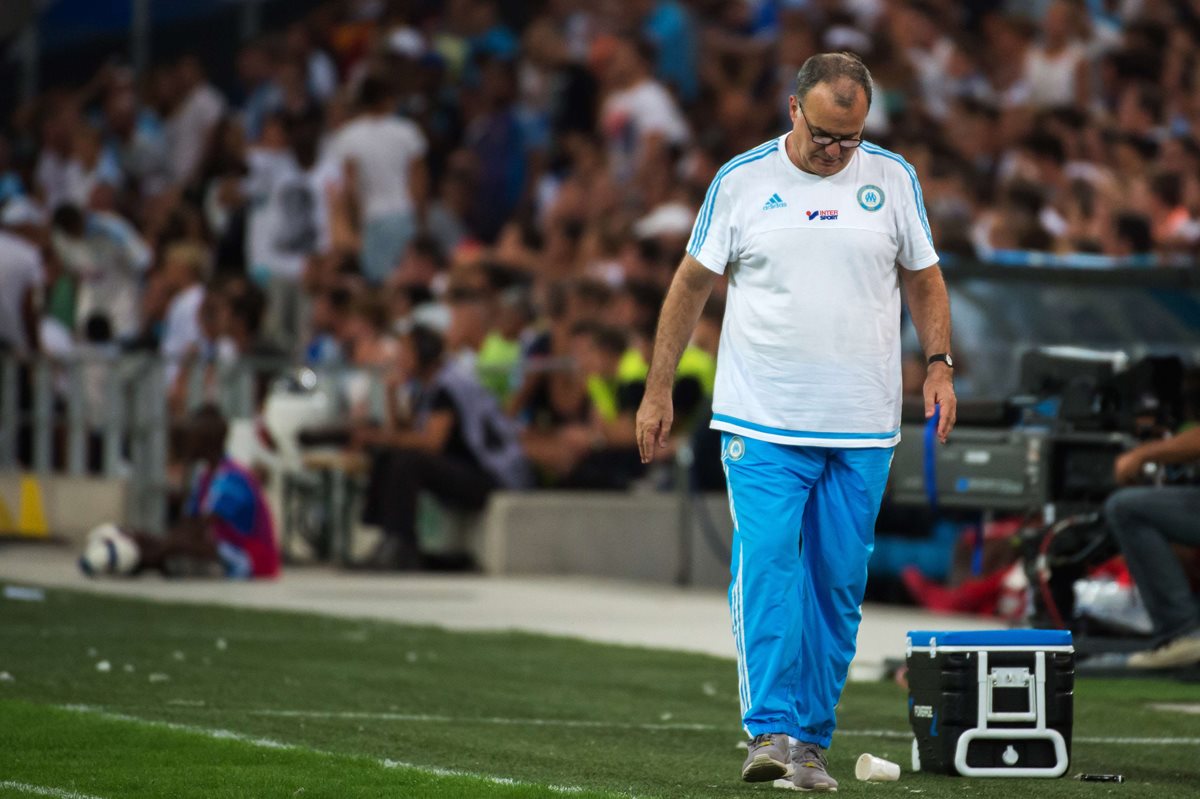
pixel 523 183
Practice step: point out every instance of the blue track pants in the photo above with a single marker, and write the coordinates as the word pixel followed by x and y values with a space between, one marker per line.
pixel 804 529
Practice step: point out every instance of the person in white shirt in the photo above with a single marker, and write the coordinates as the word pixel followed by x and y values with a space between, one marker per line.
pixel 640 118
pixel 809 228
pixel 185 267
pixel 1056 69
pixel 22 276
pixel 108 257
pixel 192 121
pixel 380 156
pixel 288 218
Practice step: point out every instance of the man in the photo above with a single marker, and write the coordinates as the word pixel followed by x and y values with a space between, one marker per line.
pixel 1147 521
pixel 225 521
pixel 811 227
pixel 380 155
pixel 22 276
pixel 198 108
pixel 456 444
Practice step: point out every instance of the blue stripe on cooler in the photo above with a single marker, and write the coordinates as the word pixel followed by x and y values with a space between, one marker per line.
pixel 779 431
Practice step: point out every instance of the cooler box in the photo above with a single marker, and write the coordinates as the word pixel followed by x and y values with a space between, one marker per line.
pixel 995 703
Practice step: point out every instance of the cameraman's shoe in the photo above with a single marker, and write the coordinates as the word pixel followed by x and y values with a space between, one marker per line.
pixel 1177 653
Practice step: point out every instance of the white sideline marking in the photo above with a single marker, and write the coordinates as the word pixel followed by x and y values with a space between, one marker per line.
pixel 619 725
pixel 268 743
pixel 1178 707
pixel 42 790
pixel 421 717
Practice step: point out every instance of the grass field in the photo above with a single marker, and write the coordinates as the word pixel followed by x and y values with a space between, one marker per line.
pixel 213 702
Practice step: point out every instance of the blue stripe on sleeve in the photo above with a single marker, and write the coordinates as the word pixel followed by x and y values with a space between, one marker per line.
pixel 710 199
pixel 875 149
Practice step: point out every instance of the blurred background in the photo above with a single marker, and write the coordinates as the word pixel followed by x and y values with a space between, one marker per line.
pixel 255 203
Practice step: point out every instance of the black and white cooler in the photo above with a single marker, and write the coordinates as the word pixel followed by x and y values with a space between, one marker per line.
pixel 995 703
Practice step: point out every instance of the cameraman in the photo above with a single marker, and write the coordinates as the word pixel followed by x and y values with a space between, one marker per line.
pixel 1147 521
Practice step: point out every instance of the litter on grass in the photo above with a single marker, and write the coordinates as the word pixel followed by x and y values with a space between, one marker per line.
pixel 20 593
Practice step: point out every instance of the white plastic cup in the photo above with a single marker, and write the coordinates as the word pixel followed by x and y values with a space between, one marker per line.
pixel 875 769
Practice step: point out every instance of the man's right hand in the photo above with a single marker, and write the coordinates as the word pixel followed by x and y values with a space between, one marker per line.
pixel 653 423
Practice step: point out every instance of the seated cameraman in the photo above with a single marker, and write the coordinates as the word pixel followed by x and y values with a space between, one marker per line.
pixel 1147 521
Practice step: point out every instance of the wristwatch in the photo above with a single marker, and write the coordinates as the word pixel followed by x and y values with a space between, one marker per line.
pixel 944 357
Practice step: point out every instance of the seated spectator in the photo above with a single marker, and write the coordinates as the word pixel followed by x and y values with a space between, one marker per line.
pixel 455 443
pixel 226 522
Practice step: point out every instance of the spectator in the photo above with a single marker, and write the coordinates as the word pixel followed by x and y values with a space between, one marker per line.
pixel 639 117
pixel 184 270
pixel 498 144
pixel 668 26
pixel 22 276
pixel 136 141
pixel 109 258
pixel 1056 68
pixel 456 444
pixel 380 158
pixel 197 108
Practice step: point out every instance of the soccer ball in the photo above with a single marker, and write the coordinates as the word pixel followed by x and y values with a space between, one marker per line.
pixel 109 551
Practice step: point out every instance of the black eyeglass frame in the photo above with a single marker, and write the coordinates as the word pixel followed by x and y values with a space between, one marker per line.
pixel 825 141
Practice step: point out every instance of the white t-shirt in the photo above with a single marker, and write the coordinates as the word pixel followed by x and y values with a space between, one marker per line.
pixel 631 114
pixel 20 270
pixel 810 345
pixel 188 129
pixel 288 212
pixel 383 149
pixel 114 258
pixel 181 329
pixel 1051 79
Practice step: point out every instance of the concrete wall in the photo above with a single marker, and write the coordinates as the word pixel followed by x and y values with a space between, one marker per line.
pixel 70 505
pixel 603 534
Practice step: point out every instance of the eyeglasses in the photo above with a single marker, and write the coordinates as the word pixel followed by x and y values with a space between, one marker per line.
pixel 825 141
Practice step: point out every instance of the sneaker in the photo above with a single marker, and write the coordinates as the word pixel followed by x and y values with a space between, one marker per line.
pixel 767 759
pixel 1176 653
pixel 809 770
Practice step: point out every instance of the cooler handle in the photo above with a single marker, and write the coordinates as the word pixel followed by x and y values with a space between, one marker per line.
pixel 1062 761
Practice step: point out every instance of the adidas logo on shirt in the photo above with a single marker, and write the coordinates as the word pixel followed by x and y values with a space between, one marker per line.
pixel 775 202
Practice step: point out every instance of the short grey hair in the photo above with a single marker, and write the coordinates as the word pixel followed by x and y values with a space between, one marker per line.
pixel 833 68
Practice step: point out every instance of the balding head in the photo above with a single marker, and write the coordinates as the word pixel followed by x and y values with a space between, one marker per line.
pixel 845 73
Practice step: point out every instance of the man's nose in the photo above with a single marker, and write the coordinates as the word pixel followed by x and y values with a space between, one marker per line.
pixel 833 150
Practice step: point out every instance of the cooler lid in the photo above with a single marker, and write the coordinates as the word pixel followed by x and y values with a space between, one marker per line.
pixel 989 638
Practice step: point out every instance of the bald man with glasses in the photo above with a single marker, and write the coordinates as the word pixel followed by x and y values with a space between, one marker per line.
pixel 816 231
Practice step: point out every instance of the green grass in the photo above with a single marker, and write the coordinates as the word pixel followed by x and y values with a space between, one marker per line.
pixel 537 710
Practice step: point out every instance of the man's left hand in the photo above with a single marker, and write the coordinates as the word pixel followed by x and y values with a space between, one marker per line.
pixel 939 390
pixel 1128 468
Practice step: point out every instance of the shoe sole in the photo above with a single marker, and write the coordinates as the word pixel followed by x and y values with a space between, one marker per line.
pixel 764 769
pixel 791 786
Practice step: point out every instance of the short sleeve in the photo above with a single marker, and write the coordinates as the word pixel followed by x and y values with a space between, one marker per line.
pixel 414 145
pixel 916 239
pixel 713 242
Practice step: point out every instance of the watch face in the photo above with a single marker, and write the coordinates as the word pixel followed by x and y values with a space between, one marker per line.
pixel 950 361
